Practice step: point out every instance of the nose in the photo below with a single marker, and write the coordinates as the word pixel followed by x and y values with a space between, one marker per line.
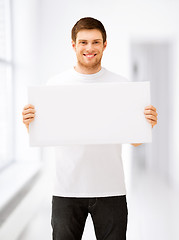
pixel 89 47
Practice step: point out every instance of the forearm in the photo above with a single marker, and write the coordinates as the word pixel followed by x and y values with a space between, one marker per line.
pixel 136 144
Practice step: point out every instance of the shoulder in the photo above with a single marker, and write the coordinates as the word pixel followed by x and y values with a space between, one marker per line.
pixel 115 77
pixel 59 78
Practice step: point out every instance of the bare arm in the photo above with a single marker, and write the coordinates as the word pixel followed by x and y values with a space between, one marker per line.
pixel 136 144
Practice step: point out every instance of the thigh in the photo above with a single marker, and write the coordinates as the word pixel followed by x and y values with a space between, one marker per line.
pixel 68 218
pixel 109 216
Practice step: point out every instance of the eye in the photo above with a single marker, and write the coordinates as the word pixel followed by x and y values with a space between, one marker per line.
pixel 83 42
pixel 96 42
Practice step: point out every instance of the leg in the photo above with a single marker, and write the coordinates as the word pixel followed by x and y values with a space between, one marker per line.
pixel 109 215
pixel 68 218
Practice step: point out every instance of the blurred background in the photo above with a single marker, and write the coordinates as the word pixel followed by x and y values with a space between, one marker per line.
pixel 143 45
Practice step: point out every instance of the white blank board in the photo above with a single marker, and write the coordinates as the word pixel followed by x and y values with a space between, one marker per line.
pixel 90 113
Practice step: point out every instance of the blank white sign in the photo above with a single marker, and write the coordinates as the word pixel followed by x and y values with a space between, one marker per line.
pixel 90 113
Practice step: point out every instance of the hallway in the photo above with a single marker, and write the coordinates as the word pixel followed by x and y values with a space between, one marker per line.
pixel 143 46
pixel 153 212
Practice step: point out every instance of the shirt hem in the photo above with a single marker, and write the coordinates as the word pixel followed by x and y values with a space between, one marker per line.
pixel 82 195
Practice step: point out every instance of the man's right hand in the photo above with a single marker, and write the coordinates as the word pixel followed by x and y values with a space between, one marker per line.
pixel 28 114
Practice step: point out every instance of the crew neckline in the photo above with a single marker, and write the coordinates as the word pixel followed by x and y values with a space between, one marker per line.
pixel 88 76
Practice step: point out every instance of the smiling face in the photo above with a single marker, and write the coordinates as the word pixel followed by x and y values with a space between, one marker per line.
pixel 89 49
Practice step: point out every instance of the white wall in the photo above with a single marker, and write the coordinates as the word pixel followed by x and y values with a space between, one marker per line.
pixel 26 34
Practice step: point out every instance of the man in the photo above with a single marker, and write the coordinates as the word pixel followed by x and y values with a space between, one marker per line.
pixel 89 178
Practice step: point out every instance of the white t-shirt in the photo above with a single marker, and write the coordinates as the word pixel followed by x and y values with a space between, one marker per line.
pixel 88 170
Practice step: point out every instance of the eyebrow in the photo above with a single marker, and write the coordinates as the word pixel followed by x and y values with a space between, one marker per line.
pixel 93 40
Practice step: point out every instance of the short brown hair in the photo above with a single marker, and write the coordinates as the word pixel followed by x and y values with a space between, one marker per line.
pixel 88 23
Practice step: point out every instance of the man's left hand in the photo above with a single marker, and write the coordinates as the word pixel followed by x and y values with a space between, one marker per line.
pixel 151 115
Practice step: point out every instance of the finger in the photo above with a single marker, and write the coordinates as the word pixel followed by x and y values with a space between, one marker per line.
pixel 29 110
pixel 27 121
pixel 27 116
pixel 29 106
pixel 151 117
pixel 150 112
pixel 150 107
pixel 152 122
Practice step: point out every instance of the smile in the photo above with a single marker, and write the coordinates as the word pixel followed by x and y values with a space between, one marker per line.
pixel 89 55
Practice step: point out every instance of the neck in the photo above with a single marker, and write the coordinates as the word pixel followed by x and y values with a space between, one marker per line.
pixel 87 70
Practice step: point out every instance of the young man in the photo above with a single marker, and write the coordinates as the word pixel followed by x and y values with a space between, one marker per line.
pixel 89 178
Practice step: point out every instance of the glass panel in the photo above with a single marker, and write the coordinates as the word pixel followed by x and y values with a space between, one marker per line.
pixel 5 31
pixel 5 115
pixel 6 96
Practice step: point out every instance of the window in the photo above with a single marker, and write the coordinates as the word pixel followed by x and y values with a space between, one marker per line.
pixel 6 86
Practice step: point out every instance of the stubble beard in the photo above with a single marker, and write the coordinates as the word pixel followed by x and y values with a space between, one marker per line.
pixel 90 66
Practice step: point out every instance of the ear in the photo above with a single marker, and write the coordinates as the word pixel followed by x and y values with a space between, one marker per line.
pixel 73 45
pixel 104 45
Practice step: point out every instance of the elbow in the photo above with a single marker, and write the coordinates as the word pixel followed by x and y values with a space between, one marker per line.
pixel 136 144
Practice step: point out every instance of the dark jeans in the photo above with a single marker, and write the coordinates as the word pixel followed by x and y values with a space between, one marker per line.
pixel 109 215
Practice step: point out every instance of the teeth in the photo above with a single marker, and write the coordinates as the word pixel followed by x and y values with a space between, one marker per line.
pixel 89 56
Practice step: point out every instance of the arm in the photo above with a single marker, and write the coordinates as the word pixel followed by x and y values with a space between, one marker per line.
pixel 136 144
pixel 28 114
pixel 151 116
